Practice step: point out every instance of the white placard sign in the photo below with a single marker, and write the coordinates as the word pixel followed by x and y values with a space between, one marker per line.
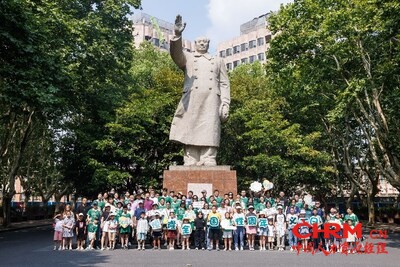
pixel 197 188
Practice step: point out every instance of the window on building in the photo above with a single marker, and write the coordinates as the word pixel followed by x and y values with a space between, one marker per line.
pixel 260 41
pixel 244 60
pixel 222 53
pixel 252 58
pixel 155 41
pixel 261 56
pixel 236 49
pixel 244 47
pixel 267 38
pixel 252 44
pixel 229 52
pixel 236 63
pixel 229 66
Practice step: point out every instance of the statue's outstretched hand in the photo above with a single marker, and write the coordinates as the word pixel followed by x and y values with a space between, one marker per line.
pixel 179 26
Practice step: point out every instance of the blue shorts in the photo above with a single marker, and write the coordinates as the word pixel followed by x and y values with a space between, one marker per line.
pixel 141 236
pixel 263 231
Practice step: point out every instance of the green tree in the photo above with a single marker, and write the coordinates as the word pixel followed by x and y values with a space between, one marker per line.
pixel 260 143
pixel 336 64
pixel 55 59
pixel 137 147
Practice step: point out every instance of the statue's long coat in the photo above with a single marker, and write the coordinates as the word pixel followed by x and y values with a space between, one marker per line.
pixel 197 117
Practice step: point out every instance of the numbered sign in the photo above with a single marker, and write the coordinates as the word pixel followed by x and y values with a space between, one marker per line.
pixel 124 222
pixel 186 229
pixel 263 223
pixel 214 222
pixel 252 221
pixel 313 220
pixel 171 225
pixel 156 224
pixel 292 220
pixel 239 222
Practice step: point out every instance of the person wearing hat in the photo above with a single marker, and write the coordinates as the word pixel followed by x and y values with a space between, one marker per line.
pixel 186 231
pixel 251 226
pixel 204 195
pixel 94 212
pixel 303 229
pixel 262 229
pixel 280 227
pixel 112 230
pixel 152 213
pixel 58 231
pixel 238 220
pixel 125 224
pixel 156 230
pixel 80 229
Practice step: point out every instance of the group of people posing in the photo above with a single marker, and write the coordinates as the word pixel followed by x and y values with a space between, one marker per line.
pixel 171 221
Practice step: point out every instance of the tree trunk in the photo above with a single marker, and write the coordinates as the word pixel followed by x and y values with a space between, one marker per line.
pixel 371 210
pixel 6 204
pixel 57 199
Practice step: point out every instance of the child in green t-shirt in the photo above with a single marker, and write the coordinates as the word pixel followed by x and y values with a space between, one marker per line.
pixel 92 230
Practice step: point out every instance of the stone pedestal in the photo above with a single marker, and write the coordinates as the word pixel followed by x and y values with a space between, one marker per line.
pixel 196 178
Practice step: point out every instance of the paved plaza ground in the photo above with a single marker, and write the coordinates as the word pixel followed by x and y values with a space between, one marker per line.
pixel 33 247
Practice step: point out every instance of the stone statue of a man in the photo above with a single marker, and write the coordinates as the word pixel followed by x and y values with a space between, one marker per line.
pixel 204 103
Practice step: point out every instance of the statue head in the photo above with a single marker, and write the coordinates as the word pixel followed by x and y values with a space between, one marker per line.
pixel 202 44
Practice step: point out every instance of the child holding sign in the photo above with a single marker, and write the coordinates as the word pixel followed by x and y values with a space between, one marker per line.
pixel 186 230
pixel 125 222
pixel 156 228
pixel 227 227
pixel 262 229
pixel 214 219
pixel 238 234
pixel 171 228
pixel 251 227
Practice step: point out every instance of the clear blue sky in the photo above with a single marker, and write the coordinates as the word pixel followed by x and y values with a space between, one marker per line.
pixel 217 19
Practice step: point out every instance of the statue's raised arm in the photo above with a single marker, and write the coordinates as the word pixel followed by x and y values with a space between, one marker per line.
pixel 179 26
pixel 176 43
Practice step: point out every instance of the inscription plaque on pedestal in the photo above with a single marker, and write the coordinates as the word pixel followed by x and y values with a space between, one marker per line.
pixel 196 178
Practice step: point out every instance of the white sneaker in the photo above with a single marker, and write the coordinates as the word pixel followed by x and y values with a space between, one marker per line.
pixel 236 249
pixel 241 248
pixel 291 249
pixel 183 248
pixel 224 249
pixel 55 248
pixel 188 248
